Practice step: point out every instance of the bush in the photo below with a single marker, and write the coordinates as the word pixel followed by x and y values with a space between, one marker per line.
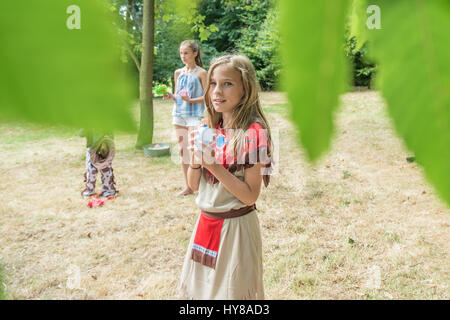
pixel 363 69
pixel 246 27
pixel 261 47
pixel 168 36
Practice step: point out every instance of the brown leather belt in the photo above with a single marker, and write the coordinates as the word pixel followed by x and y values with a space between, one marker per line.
pixel 230 214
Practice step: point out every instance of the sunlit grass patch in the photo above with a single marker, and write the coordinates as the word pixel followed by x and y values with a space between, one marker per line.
pixel 392 236
pixel 282 109
pixel 22 132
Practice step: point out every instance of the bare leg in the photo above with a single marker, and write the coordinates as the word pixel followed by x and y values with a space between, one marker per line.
pixel 187 190
pixel 182 135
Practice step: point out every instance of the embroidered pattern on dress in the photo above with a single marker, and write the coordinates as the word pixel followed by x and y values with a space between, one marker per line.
pixel 256 151
pixel 205 247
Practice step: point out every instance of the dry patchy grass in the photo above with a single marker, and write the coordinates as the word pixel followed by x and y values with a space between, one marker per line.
pixel 361 224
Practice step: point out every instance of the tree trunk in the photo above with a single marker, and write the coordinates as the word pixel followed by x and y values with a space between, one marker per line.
pixel 145 135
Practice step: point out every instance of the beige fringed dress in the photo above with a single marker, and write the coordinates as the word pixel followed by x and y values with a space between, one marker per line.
pixel 224 256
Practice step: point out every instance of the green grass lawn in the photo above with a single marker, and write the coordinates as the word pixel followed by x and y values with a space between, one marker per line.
pixel 2 284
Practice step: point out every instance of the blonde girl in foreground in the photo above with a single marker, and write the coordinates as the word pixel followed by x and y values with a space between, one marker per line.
pixel 224 256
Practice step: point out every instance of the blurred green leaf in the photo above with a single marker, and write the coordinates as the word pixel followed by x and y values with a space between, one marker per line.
pixel 413 51
pixel 358 22
pixel 56 75
pixel 315 71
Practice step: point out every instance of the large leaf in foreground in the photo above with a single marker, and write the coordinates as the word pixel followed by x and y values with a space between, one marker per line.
pixel 358 19
pixel 315 71
pixel 52 74
pixel 413 52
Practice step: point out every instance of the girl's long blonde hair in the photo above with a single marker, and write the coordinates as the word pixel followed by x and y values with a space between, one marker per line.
pixel 195 48
pixel 247 111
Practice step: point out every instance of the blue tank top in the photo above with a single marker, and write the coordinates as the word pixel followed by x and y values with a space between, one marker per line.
pixel 191 83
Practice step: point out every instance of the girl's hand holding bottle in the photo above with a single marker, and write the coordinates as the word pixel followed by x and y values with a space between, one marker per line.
pixel 202 143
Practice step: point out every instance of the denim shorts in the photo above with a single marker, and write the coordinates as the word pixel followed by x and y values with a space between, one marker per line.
pixel 187 121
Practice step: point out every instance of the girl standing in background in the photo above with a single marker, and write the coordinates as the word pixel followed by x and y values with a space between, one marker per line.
pixel 188 110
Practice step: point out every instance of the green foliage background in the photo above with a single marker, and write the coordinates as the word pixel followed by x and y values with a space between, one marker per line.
pixel 219 26
pixel 249 27
pixel 262 47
